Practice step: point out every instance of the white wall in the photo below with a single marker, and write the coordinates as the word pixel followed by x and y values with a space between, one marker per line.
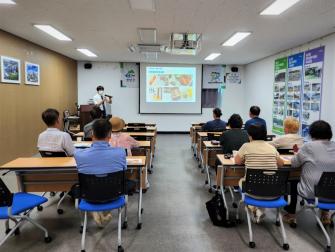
pixel 259 78
pixel 126 100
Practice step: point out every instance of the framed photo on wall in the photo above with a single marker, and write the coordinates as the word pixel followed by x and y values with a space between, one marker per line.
pixel 10 70
pixel 32 74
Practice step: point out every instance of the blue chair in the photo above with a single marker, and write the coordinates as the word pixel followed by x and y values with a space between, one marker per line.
pixel 17 207
pixel 266 183
pixel 324 200
pixel 99 193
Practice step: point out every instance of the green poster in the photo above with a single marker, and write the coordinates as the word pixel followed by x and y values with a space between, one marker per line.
pixel 279 96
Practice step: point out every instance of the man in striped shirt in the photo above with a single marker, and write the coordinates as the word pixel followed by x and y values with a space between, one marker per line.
pixel 258 154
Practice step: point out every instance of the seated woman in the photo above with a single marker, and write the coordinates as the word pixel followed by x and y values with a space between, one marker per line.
pixel 314 158
pixel 119 139
pixel 291 137
pixel 258 154
pixel 234 138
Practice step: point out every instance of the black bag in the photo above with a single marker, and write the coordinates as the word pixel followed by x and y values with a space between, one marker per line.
pixel 217 212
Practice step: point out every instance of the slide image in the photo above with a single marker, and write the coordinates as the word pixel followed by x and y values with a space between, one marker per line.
pixel 171 84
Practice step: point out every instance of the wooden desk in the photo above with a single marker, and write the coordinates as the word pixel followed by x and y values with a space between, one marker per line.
pixel 210 152
pixel 35 174
pixel 149 128
pixel 193 134
pixel 202 136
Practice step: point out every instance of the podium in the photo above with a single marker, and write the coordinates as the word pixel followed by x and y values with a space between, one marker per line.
pixel 85 116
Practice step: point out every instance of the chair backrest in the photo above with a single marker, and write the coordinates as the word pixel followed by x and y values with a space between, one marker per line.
pixel 139 152
pixel 266 183
pixel 6 197
pixel 87 138
pixel 136 124
pixel 102 188
pixel 325 189
pixel 270 137
pixel 140 138
pixel 285 151
pixel 137 129
pixel 53 154
pixel 213 136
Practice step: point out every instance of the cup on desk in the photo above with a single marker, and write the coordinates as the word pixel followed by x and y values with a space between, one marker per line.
pixel 234 153
pixel 79 139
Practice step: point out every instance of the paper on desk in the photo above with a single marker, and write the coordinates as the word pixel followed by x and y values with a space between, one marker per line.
pixel 135 161
pixel 288 158
pixel 82 145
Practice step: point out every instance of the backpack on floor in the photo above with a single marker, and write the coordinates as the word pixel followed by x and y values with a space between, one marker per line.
pixel 217 212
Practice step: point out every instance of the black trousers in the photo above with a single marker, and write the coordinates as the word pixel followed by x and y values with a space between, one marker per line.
pixel 291 208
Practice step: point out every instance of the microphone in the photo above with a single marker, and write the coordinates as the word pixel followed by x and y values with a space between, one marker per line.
pixel 109 96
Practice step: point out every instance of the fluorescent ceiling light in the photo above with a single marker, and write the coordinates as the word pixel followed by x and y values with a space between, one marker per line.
pixel 87 52
pixel 147 5
pixel 7 2
pixel 53 32
pixel 212 56
pixel 278 7
pixel 237 37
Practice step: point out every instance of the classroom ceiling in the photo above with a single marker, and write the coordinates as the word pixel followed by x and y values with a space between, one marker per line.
pixel 107 27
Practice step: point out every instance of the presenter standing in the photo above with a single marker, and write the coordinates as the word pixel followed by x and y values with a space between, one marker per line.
pixel 101 100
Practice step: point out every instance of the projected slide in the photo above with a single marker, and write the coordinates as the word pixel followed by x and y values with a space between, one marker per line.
pixel 170 84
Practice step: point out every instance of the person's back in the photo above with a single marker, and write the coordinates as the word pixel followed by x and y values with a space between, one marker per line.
pixel 217 124
pixel 53 139
pixel 234 138
pixel 95 114
pixel 254 113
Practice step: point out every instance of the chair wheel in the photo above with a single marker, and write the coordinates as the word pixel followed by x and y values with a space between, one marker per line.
pixel 286 246
pixel 139 226
pixel 120 249
pixel 234 205
pixel 277 223
pixel 125 225
pixel 206 182
pixel 60 211
pixel 47 239
pixel 142 210
pixel 17 231
pixel 199 166
pixel 152 166
pixel 40 208
pixel 7 231
pixel 61 195
pixel 81 229
pixel 331 224
pixel 252 244
pixel 293 225
pixel 210 190
pixel 83 250
pixel 52 194
pixel 302 203
pixel 194 155
pixel 150 171
pixel 328 249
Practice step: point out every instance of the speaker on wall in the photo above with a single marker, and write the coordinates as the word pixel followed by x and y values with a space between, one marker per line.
pixel 234 69
pixel 88 65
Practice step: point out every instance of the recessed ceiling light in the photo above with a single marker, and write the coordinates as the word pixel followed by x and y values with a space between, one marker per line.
pixel 278 7
pixel 87 52
pixel 147 5
pixel 7 2
pixel 237 37
pixel 212 56
pixel 53 32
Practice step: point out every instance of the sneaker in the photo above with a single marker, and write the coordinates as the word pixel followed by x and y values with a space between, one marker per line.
pixel 289 219
pixel 259 216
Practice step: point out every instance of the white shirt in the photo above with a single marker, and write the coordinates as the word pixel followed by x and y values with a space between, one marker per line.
pixel 287 141
pixel 53 139
pixel 97 99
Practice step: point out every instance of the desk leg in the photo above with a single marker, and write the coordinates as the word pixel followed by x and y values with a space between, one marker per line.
pixel 207 169
pixel 139 224
pixel 19 181
pixel 222 192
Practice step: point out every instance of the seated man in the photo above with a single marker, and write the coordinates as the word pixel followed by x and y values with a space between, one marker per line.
pixel 314 158
pixel 291 137
pixel 95 113
pixel 119 139
pixel 234 138
pixel 255 119
pixel 217 124
pixel 53 139
pixel 101 159
pixel 258 154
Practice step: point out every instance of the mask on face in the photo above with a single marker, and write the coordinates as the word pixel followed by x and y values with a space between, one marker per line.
pixel 101 92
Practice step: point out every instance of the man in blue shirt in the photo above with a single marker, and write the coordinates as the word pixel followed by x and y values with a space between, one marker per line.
pixel 255 119
pixel 217 124
pixel 101 158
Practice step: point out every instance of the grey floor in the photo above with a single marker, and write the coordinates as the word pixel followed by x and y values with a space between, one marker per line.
pixel 174 219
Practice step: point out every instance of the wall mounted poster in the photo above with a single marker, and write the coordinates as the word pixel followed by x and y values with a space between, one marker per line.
pixel 129 75
pixel 294 81
pixel 313 73
pixel 279 97
pixel 10 70
pixel 32 74
pixel 213 76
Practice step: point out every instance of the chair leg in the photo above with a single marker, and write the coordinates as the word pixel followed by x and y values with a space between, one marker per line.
pixel 10 232
pixel 283 232
pixel 60 211
pixel 322 228
pixel 119 241
pixel 125 221
pixel 238 221
pixel 251 240
pixel 84 232
pixel 47 238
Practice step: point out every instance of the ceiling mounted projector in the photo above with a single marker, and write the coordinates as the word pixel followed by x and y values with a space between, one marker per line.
pixel 184 43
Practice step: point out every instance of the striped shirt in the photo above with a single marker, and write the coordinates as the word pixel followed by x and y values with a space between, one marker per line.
pixel 259 155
